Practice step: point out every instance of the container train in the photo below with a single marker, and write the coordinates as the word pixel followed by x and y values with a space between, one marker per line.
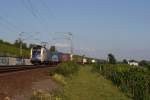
pixel 41 55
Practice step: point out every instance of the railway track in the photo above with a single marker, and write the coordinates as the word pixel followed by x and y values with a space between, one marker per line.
pixel 4 69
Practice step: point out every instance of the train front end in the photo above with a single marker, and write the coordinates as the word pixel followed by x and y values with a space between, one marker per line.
pixel 36 55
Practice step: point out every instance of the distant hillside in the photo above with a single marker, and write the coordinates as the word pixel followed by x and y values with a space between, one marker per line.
pixel 8 49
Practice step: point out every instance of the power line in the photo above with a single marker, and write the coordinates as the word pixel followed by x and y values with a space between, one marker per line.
pixel 45 5
pixel 29 7
pixel 34 12
pixel 10 26
pixel 7 22
pixel 7 27
pixel 47 9
pixel 32 9
pixel 38 13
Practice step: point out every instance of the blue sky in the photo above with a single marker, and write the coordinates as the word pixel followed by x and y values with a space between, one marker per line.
pixel 121 27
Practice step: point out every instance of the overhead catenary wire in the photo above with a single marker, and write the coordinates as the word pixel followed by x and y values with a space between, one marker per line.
pixel 48 10
pixel 46 6
pixel 37 11
pixel 8 25
pixel 34 12
pixel 8 22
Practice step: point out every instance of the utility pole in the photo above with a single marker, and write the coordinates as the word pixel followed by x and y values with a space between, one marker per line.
pixel 44 44
pixel 71 45
pixel 20 41
pixel 70 38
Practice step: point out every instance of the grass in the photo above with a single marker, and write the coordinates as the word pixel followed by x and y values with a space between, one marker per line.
pixel 59 78
pixel 86 85
pixel 10 50
pixel 42 95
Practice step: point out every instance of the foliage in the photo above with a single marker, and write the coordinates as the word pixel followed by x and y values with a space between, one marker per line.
pixel 31 45
pixel 132 80
pixel 11 50
pixel 5 42
pixel 91 86
pixel 17 43
pixel 111 59
pixel 143 63
pixel 125 61
pixel 59 78
pixel 53 49
pixel 8 49
pixel 67 68
pixel 42 95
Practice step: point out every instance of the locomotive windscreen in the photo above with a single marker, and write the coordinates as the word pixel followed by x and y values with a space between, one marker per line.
pixel 36 52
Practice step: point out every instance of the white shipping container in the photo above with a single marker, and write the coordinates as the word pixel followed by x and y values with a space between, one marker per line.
pixel 12 61
pixel 4 61
pixel 27 62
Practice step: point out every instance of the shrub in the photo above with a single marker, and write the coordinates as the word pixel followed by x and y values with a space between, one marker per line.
pixel 59 78
pixel 42 95
pixel 67 68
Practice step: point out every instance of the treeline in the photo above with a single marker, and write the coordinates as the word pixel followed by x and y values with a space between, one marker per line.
pixel 112 60
pixel 17 44
pixel 13 49
pixel 5 42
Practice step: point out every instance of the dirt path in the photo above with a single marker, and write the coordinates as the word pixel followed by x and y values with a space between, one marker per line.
pixel 91 86
pixel 20 85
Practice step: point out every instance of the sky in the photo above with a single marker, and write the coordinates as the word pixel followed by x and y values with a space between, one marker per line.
pixel 99 27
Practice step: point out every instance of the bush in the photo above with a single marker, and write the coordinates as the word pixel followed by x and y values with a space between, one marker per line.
pixel 59 78
pixel 42 95
pixel 132 80
pixel 67 68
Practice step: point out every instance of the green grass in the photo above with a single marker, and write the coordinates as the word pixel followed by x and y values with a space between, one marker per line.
pixel 86 85
pixel 59 78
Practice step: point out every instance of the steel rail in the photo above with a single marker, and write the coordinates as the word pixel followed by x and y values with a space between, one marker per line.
pixel 4 69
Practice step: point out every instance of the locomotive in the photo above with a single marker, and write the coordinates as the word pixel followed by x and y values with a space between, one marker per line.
pixel 41 55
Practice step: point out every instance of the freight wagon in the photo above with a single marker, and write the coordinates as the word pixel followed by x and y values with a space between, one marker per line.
pixel 55 57
pixel 65 57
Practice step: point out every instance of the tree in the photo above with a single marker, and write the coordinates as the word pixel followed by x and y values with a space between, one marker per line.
pixel 53 49
pixel 31 45
pixel 143 63
pixel 125 61
pixel 1 41
pixel 24 46
pixel 111 59
pixel 18 42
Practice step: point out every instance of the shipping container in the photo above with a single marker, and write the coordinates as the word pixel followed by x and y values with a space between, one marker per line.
pixel 4 61
pixel 65 57
pixel 78 59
